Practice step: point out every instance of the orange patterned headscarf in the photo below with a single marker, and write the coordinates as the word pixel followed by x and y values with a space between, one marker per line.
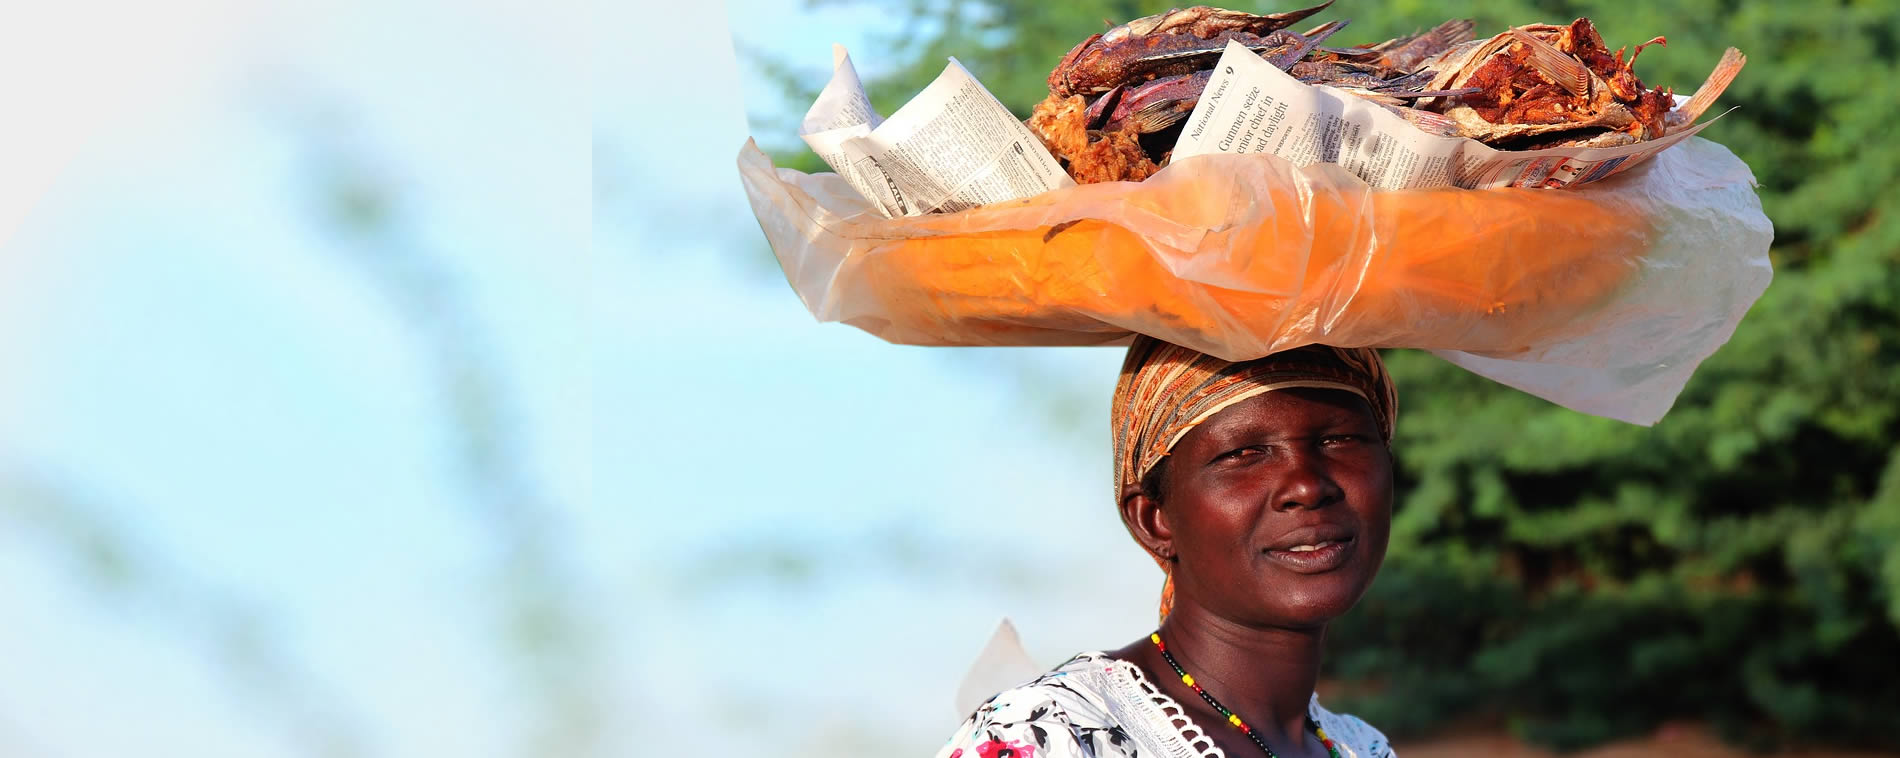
pixel 1166 390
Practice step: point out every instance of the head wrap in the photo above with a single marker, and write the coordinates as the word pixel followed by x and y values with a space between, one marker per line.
pixel 1166 390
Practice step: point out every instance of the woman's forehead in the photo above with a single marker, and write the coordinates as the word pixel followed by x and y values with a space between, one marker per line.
pixel 1289 409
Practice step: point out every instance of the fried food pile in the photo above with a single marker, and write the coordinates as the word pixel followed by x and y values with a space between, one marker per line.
pixel 1118 100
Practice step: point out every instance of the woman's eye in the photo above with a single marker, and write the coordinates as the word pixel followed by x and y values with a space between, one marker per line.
pixel 1341 439
pixel 1236 453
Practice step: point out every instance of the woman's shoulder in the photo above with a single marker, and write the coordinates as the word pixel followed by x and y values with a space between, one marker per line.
pixel 1076 691
pixel 1060 713
pixel 1351 731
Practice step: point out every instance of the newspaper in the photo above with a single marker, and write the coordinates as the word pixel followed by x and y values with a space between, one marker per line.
pixel 1251 106
pixel 952 147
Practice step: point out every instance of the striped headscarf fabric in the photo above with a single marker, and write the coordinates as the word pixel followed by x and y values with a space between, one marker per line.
pixel 1166 390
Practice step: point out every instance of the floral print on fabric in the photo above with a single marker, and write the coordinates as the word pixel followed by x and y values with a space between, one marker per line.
pixel 1093 706
pixel 1001 749
pixel 1047 718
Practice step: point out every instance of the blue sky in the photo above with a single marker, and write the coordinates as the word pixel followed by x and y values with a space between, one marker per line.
pixel 233 396
pixel 209 381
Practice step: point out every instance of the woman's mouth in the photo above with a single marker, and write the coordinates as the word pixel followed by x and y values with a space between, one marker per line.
pixel 1315 557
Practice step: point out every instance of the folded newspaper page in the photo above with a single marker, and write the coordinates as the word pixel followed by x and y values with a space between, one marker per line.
pixel 1251 106
pixel 952 147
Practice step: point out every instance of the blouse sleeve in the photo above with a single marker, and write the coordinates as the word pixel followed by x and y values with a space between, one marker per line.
pixel 1366 741
pixel 1029 722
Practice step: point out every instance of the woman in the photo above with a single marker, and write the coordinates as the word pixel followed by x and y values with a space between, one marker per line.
pixel 1264 491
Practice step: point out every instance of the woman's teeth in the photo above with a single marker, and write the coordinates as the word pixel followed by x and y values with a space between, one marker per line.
pixel 1310 548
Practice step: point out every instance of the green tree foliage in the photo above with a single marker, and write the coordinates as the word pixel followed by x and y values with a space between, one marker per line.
pixel 1580 579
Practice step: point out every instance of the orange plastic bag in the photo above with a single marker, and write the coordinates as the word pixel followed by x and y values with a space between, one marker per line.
pixel 1602 298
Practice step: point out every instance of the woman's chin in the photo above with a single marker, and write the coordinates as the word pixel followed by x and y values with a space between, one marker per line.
pixel 1309 606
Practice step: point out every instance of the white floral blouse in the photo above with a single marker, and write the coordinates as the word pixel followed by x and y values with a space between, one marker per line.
pixel 1094 706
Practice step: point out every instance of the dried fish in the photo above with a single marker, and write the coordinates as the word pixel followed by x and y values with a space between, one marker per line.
pixel 1116 96
pixel 1544 85
pixel 1167 44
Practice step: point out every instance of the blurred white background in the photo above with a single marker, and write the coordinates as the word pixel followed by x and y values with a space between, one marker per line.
pixel 410 379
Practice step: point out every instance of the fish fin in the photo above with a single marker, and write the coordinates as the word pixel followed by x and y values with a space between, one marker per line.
pixel 1719 79
pixel 1105 104
pixel 1284 57
pixel 1177 55
pixel 1456 31
pixel 1321 32
pixel 1350 53
pixel 1414 79
pixel 1432 93
pixel 1394 43
pixel 1268 45
pixel 1556 65
pixel 1325 29
pixel 1289 18
pixel 1156 116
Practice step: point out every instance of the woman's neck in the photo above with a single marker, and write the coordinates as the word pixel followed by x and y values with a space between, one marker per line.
pixel 1265 674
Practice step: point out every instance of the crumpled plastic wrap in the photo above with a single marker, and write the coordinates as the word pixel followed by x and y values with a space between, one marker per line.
pixel 1602 298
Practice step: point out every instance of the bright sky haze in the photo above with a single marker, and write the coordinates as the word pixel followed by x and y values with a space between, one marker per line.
pixel 240 515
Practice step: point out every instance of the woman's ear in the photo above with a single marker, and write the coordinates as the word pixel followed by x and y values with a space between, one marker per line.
pixel 1148 522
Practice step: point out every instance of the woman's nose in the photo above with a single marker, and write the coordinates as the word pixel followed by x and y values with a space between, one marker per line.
pixel 1305 482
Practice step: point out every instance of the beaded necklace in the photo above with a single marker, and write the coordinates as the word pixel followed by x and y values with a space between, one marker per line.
pixel 1232 718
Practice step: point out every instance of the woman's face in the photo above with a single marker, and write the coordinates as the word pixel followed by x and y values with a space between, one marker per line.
pixel 1278 508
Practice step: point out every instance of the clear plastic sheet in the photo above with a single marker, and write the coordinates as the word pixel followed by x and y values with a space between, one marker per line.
pixel 1601 298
